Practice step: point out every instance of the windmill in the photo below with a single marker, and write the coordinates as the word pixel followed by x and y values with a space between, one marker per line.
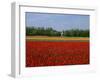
pixel 62 33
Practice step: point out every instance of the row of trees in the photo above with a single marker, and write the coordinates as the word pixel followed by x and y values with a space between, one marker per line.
pixel 41 31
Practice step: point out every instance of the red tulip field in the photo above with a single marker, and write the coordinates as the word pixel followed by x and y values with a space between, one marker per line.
pixel 56 53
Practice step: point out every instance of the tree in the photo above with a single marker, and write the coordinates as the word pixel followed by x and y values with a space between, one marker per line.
pixel 36 31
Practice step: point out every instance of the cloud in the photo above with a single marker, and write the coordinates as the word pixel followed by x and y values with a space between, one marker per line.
pixel 57 21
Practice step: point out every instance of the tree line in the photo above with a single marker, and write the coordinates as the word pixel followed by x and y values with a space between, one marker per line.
pixel 41 31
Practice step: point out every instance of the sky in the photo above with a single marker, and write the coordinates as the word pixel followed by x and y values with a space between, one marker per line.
pixel 58 22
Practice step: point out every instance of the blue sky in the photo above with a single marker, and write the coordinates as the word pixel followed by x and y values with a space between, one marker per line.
pixel 58 22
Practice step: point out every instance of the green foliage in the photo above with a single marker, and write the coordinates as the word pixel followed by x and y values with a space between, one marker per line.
pixel 41 31
pixel 76 33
